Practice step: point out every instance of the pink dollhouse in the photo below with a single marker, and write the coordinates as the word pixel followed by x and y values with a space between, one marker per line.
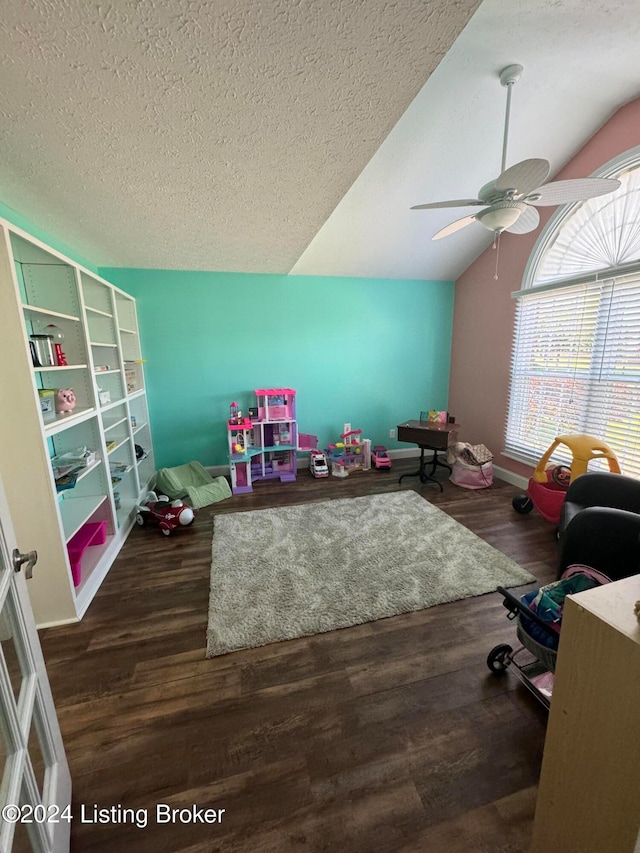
pixel 264 446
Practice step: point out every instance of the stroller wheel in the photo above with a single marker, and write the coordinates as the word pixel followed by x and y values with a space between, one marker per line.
pixel 522 504
pixel 498 658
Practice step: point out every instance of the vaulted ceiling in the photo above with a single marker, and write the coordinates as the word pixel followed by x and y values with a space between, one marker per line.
pixel 280 136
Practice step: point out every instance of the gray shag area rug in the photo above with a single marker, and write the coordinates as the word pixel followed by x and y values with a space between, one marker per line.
pixel 295 571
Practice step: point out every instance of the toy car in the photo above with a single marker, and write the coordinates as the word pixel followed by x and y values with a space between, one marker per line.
pixel 318 463
pixel 548 487
pixel 379 457
pixel 167 513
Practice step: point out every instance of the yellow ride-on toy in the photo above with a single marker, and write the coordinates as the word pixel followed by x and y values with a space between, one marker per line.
pixel 548 486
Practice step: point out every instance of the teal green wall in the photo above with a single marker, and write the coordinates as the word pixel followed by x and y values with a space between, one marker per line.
pixel 371 352
pixel 19 221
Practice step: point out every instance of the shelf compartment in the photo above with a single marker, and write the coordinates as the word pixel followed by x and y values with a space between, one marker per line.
pixel 64 420
pixel 142 458
pixel 146 472
pixel 73 342
pixel 101 331
pixel 118 473
pixel 118 446
pixel 75 511
pixel 96 296
pixel 112 383
pixel 107 427
pixel 137 429
pixel 133 376
pixel 34 309
pixel 81 475
pixel 112 405
pixel 135 394
pixel 88 470
pixel 44 280
pixel 107 372
pixel 126 506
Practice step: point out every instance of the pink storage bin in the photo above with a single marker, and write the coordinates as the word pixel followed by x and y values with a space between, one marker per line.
pixel 91 533
pixel 472 476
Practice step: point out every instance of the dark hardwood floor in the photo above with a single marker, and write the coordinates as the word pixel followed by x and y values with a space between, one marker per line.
pixel 389 736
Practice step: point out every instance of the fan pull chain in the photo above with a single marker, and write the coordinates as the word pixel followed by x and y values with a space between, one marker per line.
pixel 496 245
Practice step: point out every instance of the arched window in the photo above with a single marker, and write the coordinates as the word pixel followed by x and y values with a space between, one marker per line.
pixel 576 356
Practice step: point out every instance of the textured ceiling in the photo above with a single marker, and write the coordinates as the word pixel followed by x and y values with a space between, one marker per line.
pixel 203 135
pixel 580 61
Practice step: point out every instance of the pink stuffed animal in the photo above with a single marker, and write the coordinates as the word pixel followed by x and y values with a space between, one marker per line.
pixel 65 400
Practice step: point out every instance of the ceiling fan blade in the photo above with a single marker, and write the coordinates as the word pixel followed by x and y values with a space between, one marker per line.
pixel 528 221
pixel 456 202
pixel 524 176
pixel 454 226
pixel 578 189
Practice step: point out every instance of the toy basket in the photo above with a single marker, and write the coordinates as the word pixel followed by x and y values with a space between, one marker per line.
pixel 544 654
pixel 472 476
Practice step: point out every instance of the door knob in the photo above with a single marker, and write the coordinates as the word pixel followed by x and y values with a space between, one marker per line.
pixel 27 560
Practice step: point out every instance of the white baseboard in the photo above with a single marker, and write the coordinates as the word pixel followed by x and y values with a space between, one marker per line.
pixel 502 473
pixel 406 453
pixel 400 453
pixel 510 477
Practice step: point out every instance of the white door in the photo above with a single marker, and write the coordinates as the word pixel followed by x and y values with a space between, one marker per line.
pixel 35 793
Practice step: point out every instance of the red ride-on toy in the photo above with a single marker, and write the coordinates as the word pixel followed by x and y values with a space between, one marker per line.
pixel 167 513
pixel 548 487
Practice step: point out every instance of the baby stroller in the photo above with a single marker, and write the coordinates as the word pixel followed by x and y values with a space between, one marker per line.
pixel 538 616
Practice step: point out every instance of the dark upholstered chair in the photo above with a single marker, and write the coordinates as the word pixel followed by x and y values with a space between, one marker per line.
pixel 600 524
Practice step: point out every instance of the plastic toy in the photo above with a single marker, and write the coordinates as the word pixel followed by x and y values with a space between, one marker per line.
pixel 65 400
pixel 91 533
pixel 379 457
pixel 167 513
pixel 351 453
pixel 338 468
pixel 318 463
pixel 264 446
pixel 547 488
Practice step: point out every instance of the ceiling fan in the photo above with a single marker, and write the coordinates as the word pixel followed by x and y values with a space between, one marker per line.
pixel 509 202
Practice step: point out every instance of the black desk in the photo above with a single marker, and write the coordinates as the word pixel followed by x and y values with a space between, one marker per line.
pixel 428 436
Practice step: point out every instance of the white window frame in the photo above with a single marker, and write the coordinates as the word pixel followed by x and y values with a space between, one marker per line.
pixel 628 160
pixel 618 164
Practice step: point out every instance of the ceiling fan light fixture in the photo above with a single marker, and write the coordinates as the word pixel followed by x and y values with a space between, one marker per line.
pixel 499 218
pixel 509 201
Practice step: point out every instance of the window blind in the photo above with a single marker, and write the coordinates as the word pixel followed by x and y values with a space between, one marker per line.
pixel 576 368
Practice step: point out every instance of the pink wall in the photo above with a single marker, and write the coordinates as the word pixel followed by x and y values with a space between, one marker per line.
pixel 484 310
